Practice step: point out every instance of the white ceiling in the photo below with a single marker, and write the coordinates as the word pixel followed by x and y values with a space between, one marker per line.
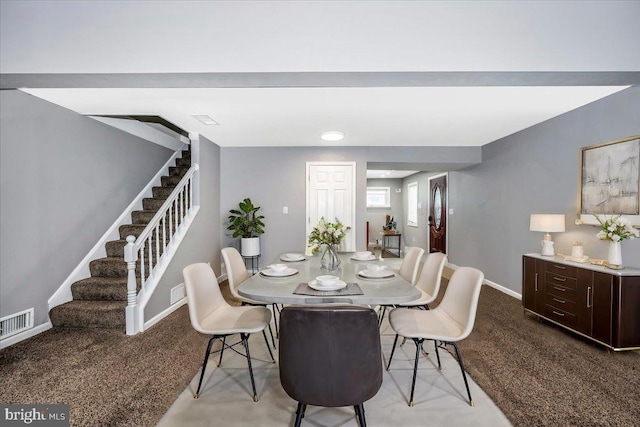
pixel 139 57
pixel 388 174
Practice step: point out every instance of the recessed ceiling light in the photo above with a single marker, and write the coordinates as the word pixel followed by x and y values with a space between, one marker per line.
pixel 332 136
pixel 205 119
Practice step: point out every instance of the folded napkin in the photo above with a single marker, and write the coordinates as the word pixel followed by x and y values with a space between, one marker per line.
pixel 351 289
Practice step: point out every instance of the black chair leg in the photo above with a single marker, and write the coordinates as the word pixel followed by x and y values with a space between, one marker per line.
pixel 393 349
pixel 300 413
pixel 266 341
pixel 204 364
pixel 384 310
pixel 415 367
pixel 360 413
pixel 437 354
pixel 274 306
pixel 464 375
pixel 272 339
pixel 222 350
pixel 245 340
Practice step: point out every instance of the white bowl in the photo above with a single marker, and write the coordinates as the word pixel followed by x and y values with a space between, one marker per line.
pixel 376 267
pixel 363 255
pixel 293 256
pixel 327 280
pixel 278 268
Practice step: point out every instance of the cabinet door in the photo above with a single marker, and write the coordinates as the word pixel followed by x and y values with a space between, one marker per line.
pixel 602 300
pixel 584 301
pixel 533 284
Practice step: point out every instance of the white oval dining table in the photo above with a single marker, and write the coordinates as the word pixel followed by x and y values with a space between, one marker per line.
pixel 280 290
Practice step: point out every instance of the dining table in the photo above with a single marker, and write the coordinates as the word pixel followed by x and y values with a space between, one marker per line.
pixel 384 288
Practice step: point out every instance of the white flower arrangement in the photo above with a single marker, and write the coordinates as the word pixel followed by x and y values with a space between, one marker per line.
pixel 616 228
pixel 327 233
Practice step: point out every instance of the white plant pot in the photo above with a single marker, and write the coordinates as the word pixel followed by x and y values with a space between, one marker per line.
pixel 250 246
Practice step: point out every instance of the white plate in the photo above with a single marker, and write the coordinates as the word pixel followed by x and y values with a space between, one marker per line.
pixel 338 285
pixel 270 273
pixel 371 258
pixel 298 257
pixel 382 274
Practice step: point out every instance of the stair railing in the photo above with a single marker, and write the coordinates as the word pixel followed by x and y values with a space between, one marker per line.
pixel 149 249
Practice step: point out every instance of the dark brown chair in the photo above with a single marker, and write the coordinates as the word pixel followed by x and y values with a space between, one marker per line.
pixel 330 356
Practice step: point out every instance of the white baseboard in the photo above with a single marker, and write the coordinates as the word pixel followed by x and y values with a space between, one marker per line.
pixel 492 284
pixel 222 278
pixel 158 317
pixel 25 335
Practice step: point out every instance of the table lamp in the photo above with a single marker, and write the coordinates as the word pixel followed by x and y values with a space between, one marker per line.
pixel 547 223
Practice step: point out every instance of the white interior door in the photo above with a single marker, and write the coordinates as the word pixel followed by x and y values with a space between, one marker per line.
pixel 331 194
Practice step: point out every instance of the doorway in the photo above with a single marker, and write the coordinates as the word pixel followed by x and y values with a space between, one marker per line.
pixel 438 213
pixel 331 194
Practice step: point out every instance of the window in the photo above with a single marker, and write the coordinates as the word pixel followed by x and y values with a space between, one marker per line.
pixel 412 204
pixel 378 197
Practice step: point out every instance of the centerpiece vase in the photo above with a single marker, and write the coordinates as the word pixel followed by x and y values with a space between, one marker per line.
pixel 330 260
pixel 615 254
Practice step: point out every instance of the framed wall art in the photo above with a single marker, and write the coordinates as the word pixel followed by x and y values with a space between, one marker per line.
pixel 610 180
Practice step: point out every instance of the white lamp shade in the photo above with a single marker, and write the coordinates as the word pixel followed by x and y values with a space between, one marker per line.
pixel 547 223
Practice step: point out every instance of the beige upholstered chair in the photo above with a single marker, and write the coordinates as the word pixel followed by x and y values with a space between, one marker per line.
pixel 429 281
pixel 451 321
pixel 236 274
pixel 210 314
pixel 408 271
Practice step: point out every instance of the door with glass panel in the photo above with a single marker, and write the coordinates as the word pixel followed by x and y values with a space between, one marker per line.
pixel 438 214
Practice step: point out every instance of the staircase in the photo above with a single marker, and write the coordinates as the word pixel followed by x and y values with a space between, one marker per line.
pixel 100 300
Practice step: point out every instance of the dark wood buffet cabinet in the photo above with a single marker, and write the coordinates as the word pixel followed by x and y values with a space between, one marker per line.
pixel 594 301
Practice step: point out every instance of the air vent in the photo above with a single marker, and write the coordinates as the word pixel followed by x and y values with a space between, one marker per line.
pixel 16 323
pixel 177 293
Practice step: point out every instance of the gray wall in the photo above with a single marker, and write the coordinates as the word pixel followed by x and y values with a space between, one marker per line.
pixel 534 171
pixel 202 243
pixel 377 216
pixel 64 180
pixel 275 177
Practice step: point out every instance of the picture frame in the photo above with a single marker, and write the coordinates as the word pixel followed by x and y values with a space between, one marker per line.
pixel 609 181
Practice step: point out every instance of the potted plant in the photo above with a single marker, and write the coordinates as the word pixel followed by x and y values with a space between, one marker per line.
pixel 247 224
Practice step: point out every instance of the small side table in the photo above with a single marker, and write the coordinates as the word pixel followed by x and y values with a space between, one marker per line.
pixel 253 261
pixel 392 250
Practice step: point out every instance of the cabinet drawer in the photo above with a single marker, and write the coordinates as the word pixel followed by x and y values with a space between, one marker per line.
pixel 564 281
pixel 560 302
pixel 563 270
pixel 560 316
pixel 561 292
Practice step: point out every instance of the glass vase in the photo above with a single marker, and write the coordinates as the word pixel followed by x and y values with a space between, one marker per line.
pixel 330 260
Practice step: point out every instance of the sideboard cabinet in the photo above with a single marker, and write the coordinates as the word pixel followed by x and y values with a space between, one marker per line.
pixel 594 301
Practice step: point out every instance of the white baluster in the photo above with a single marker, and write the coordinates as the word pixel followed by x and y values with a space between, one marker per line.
pixel 142 265
pixel 131 256
pixel 157 242
pixel 149 257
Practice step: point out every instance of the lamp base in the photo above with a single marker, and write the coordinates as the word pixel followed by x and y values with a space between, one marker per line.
pixel 547 248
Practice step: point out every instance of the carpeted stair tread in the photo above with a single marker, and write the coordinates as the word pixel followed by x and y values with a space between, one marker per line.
pixel 115 248
pixel 111 267
pixel 183 162
pixel 131 230
pixel 101 288
pixel 169 180
pixel 89 314
pixel 162 192
pixel 178 170
pixel 150 204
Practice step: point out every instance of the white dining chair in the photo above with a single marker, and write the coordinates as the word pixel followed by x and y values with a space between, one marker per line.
pixel 429 281
pixel 210 314
pixel 236 274
pixel 451 321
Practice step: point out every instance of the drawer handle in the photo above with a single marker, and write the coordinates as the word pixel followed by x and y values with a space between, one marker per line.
pixel 559 279
pixel 559 314
pixel 561 267
pixel 589 302
pixel 559 289
pixel 559 300
pixel 536 282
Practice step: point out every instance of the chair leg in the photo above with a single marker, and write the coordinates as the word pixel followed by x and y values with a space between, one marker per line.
pixel 360 414
pixel 464 375
pixel 300 413
pixel 266 341
pixel 393 349
pixel 222 350
pixel 384 310
pixel 204 364
pixel 437 354
pixel 274 306
pixel 245 340
pixel 415 367
pixel 272 339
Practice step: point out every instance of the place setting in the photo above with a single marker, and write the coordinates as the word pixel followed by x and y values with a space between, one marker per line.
pixel 363 256
pixel 376 272
pixel 292 257
pixel 328 285
pixel 278 271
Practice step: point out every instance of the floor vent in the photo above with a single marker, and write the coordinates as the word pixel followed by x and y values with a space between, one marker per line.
pixel 16 323
pixel 177 293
